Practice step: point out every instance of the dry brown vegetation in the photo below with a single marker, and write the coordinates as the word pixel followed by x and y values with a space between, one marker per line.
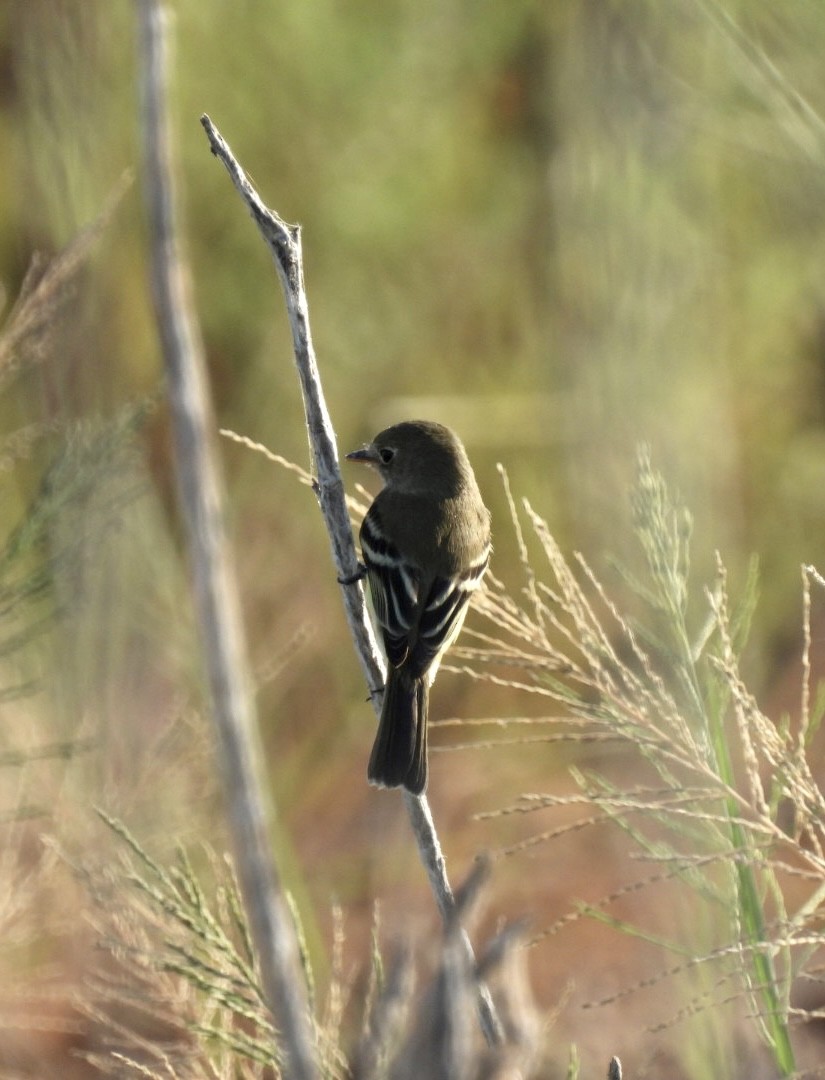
pixel 610 234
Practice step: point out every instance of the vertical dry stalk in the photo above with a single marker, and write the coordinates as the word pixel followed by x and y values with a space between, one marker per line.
pixel 216 595
pixel 284 242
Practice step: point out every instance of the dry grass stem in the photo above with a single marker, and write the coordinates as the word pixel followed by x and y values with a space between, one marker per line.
pixel 665 690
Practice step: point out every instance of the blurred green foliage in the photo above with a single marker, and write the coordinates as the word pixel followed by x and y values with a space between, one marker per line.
pixel 562 227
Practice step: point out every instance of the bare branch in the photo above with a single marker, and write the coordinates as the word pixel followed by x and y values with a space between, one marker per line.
pixel 284 242
pixel 218 609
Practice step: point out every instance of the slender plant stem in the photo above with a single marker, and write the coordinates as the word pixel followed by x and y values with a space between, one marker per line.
pixel 201 500
pixel 284 242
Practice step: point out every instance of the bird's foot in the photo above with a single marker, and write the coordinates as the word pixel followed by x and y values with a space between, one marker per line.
pixel 353 579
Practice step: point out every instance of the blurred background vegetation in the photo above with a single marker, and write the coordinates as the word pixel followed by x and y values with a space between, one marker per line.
pixel 561 228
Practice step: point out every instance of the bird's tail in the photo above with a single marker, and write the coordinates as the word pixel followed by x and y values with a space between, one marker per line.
pixel 399 755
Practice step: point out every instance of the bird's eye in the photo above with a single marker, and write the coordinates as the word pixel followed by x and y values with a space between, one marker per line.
pixel 386 454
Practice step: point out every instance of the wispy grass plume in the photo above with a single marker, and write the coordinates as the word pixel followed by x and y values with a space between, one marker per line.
pixel 728 779
pixel 177 990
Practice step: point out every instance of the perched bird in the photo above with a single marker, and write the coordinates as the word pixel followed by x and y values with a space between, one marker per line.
pixel 425 543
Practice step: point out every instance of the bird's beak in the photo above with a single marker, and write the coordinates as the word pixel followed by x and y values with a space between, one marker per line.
pixel 367 454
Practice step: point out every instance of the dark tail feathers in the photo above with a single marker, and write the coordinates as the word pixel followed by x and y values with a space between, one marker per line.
pixel 399 755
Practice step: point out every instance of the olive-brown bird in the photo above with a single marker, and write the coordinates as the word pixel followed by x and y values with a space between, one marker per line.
pixel 425 543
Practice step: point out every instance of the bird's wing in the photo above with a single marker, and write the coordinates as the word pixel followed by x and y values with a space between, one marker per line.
pixel 415 628
pixel 443 611
pixel 394 588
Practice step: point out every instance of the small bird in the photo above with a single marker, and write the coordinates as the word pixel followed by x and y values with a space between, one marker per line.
pixel 425 543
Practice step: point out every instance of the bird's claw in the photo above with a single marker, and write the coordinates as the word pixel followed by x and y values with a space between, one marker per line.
pixel 353 579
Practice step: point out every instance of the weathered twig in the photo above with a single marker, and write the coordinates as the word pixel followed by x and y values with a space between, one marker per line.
pixel 284 242
pixel 216 594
